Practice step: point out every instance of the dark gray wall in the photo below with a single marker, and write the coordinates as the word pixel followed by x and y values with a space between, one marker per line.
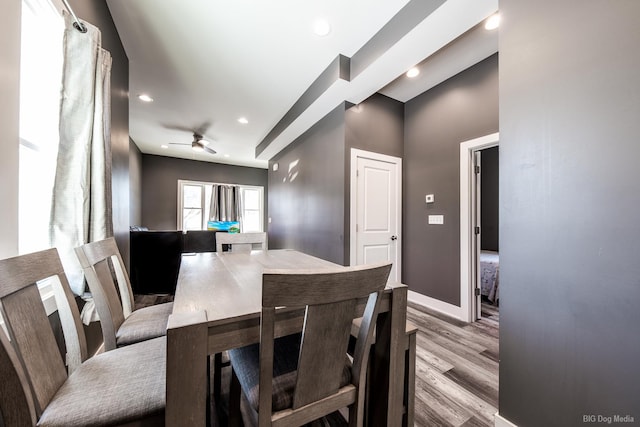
pixel 319 195
pixel 436 122
pixel 306 193
pixel 569 232
pixel 135 184
pixel 376 125
pixel 97 13
pixel 489 199
pixel 160 177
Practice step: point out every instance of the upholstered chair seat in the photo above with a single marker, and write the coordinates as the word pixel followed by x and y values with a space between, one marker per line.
pixel 113 388
pixel 144 323
pixel 121 324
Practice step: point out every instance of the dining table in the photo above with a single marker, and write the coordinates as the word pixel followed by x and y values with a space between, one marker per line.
pixel 217 307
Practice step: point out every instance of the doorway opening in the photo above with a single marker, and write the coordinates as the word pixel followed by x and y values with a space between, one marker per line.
pixel 479 251
pixel 487 188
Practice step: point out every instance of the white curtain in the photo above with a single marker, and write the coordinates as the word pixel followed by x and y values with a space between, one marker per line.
pixel 81 209
pixel 226 203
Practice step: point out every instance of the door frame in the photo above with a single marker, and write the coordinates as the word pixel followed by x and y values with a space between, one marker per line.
pixel 467 150
pixel 355 153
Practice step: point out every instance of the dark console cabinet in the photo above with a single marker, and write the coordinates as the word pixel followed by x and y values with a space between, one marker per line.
pixel 156 255
pixel 155 261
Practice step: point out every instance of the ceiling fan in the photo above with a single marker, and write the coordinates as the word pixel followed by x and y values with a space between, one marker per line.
pixel 198 144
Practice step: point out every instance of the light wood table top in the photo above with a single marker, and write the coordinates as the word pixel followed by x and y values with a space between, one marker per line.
pixel 228 286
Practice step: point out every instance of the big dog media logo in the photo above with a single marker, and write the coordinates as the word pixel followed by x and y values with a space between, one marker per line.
pixel 607 419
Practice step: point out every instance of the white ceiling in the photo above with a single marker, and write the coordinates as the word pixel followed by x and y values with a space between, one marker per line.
pixel 208 62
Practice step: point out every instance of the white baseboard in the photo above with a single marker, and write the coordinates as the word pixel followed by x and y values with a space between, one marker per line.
pixel 437 305
pixel 500 421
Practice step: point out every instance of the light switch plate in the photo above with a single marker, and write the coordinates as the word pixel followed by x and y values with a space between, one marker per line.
pixel 436 219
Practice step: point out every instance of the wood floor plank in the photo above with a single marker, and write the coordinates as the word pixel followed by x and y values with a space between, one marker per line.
pixel 484 327
pixel 491 355
pixel 458 355
pixel 466 394
pixel 448 411
pixel 445 329
pixel 428 358
pixel 460 399
pixel 487 392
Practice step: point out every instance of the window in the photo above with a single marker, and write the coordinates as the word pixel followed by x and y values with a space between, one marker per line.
pixel 40 86
pixel 252 208
pixel 194 200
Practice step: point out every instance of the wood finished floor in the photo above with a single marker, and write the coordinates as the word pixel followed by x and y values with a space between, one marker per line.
pixel 456 367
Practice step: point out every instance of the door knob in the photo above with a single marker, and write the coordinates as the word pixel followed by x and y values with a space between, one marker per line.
pixel 394 237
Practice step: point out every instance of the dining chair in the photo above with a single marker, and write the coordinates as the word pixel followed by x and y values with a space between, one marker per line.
pixel 123 386
pixel 121 324
pixel 296 379
pixel 241 242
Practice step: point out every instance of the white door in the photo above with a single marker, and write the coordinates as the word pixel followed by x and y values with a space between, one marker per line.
pixel 378 210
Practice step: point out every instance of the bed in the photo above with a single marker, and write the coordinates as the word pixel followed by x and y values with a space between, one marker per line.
pixel 490 275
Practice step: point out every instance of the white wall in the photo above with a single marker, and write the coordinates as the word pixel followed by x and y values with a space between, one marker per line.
pixel 9 116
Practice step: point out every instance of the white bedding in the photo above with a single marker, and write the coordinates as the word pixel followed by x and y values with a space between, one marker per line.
pixel 490 275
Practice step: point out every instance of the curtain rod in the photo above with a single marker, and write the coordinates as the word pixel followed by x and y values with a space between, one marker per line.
pixel 77 25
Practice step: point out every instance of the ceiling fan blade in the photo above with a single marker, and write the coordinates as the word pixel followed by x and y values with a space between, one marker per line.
pixel 177 127
pixel 208 150
pixel 179 143
pixel 203 128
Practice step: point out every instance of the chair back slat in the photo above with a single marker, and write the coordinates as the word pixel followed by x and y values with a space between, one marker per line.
pixel 323 351
pixel 99 261
pixel 330 297
pixel 32 341
pixel 241 242
pixel 16 403
pixel 31 332
pixel 92 253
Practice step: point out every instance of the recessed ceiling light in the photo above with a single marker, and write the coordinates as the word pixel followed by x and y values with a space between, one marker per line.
pixel 164 146
pixel 227 155
pixel 492 22
pixel 145 98
pixel 413 72
pixel 321 28
pixel 243 120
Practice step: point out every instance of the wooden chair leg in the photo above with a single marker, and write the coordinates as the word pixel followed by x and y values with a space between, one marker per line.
pixel 235 396
pixel 410 380
pixel 217 376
